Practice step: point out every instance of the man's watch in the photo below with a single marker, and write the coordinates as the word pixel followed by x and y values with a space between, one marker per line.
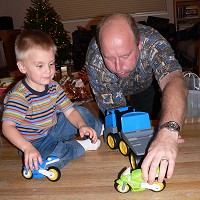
pixel 171 125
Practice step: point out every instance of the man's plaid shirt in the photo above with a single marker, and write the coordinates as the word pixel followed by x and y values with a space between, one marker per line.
pixel 156 60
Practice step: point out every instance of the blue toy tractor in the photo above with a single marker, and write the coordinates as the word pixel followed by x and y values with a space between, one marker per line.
pixel 130 131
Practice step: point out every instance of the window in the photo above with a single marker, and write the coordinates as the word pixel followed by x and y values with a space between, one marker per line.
pixel 81 9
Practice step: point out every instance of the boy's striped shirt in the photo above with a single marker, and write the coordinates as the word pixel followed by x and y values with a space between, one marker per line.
pixel 35 112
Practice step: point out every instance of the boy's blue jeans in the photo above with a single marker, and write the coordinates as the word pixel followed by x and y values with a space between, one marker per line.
pixel 59 140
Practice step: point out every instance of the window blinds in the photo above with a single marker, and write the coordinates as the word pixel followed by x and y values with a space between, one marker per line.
pixel 81 9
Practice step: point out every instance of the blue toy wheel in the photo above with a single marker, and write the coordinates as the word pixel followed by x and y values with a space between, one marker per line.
pixel 55 174
pixel 124 148
pixel 27 174
pixel 113 140
pixel 135 160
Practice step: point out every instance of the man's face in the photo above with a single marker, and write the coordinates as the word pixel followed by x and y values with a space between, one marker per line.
pixel 119 49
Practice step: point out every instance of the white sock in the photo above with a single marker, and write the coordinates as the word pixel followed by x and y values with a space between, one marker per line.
pixel 102 129
pixel 88 145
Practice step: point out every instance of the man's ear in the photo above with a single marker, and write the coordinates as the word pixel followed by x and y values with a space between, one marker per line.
pixel 21 67
pixel 140 45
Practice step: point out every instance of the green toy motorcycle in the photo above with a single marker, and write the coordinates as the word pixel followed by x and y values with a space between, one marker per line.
pixel 132 180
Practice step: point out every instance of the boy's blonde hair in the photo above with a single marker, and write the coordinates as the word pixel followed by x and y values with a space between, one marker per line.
pixel 32 39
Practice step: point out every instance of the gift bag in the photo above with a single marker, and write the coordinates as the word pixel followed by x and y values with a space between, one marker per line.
pixel 192 82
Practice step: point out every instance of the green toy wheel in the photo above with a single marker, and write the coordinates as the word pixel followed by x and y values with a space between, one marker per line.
pixel 122 189
pixel 159 186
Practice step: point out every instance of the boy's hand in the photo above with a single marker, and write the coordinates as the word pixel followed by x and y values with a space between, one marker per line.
pixel 32 157
pixel 86 130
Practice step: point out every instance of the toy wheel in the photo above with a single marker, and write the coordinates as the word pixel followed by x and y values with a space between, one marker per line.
pixel 113 140
pixel 27 174
pixel 159 186
pixel 55 174
pixel 123 148
pixel 135 160
pixel 122 189
pixel 132 161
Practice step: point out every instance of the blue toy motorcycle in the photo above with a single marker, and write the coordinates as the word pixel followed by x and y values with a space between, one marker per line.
pixel 52 173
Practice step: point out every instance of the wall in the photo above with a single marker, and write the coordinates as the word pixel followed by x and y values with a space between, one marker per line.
pixel 17 10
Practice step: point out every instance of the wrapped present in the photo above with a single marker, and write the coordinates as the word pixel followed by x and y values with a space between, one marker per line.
pixel 75 90
pixel 5 83
pixel 83 75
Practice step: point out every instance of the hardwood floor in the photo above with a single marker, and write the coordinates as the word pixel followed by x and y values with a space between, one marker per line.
pixel 92 176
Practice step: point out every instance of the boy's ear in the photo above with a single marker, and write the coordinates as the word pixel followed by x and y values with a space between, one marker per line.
pixel 21 67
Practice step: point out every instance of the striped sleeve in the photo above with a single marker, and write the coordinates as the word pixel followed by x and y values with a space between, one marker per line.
pixel 63 102
pixel 15 107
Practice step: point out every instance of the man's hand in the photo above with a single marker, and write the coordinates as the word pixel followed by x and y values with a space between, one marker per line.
pixel 162 152
pixel 180 140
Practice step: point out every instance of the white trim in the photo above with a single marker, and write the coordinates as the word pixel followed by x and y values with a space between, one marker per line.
pixel 149 14
pixel 99 18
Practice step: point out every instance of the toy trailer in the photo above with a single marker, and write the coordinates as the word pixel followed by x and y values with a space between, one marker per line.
pixel 130 131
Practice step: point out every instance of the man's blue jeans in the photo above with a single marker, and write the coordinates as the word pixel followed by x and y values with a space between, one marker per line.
pixel 59 140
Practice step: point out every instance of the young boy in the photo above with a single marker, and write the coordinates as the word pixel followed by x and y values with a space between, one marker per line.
pixel 38 118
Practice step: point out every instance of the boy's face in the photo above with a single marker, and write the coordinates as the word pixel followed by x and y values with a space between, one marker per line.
pixel 39 68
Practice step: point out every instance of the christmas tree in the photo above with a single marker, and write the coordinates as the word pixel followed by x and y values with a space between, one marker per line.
pixel 42 16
